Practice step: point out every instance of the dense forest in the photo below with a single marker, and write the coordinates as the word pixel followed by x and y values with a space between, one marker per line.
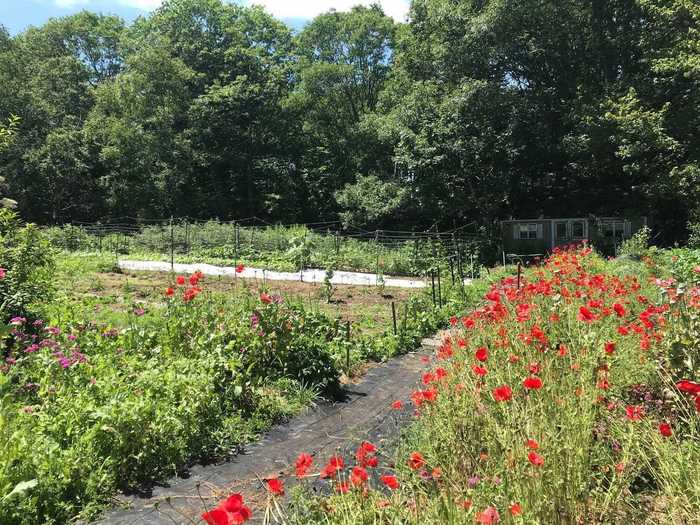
pixel 473 110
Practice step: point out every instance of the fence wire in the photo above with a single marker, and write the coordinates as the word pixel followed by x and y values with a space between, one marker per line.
pixel 292 247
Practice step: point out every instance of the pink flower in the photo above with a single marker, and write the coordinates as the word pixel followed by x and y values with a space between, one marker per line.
pixel 488 516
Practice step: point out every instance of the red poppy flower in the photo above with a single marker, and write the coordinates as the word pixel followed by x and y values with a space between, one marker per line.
pixel 180 280
pixel 430 394
pixel 479 370
pixel 303 464
pixel 532 383
pixel 170 291
pixel 535 459
pixel 216 517
pixel 265 298
pixel 416 460
pixel 335 464
pixel 585 315
pixel 364 455
pixel 390 481
pixel 358 476
pixel 482 354
pixel 194 279
pixel 610 347
pixel 488 516
pixel 190 294
pixel 276 486
pixel 238 513
pixel 634 412
pixel 502 393
pixel 515 509
pixel 493 296
pixel 687 386
pixel 240 268
pixel 665 430
pixel 532 444
pixel 619 310
pixel 397 405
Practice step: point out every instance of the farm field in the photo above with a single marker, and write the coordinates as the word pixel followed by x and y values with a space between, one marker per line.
pixel 94 283
pixel 282 248
pixel 337 262
pixel 113 381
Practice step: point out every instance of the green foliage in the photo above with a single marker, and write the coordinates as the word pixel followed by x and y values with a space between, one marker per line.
pixel 370 201
pixel 27 260
pixel 283 248
pixel 638 244
pixel 7 132
pixel 694 235
pixel 468 112
pixel 114 408
pixel 327 287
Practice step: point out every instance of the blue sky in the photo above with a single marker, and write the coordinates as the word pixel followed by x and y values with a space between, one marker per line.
pixel 16 15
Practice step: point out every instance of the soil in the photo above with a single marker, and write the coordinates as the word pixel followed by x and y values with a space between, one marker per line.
pixel 367 307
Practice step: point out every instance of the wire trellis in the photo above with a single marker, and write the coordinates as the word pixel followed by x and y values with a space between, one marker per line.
pixel 293 246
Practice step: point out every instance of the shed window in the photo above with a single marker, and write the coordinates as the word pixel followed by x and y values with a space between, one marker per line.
pixel 616 230
pixel 578 230
pixel 528 231
pixel 561 231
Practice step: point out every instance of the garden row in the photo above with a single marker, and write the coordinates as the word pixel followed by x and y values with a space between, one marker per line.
pixel 282 248
pixel 93 402
pixel 571 396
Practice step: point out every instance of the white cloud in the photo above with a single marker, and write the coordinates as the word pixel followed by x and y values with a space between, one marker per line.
pixel 146 5
pixel 397 9
pixel 71 3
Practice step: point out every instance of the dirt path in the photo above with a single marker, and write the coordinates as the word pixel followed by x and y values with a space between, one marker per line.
pixel 309 276
pixel 323 431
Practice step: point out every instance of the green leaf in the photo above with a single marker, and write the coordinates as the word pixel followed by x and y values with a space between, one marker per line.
pixel 21 488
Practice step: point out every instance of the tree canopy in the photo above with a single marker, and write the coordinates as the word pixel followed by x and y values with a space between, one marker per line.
pixel 471 110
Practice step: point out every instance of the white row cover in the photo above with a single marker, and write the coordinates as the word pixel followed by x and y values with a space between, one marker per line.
pixel 308 276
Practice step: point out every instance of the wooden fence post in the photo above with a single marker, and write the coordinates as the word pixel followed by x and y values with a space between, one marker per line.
pixel 172 245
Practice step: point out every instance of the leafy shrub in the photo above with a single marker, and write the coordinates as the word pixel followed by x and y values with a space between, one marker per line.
pixel 88 409
pixel 694 235
pixel 27 263
pixel 637 245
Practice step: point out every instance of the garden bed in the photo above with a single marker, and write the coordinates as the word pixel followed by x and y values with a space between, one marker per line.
pixel 572 396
